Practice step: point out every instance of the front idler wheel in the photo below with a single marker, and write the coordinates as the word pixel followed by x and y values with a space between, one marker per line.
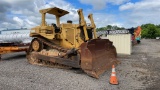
pixel 37 45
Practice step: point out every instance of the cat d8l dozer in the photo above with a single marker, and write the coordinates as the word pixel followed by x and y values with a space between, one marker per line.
pixel 70 45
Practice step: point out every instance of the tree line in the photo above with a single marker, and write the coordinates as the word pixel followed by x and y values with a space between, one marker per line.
pixel 110 27
pixel 148 30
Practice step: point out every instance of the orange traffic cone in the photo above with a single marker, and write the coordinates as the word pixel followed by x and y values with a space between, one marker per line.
pixel 113 79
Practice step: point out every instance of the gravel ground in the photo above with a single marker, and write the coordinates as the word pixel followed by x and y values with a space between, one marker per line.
pixel 139 71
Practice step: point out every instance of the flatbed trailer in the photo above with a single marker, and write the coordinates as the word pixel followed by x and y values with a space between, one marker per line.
pixel 10 49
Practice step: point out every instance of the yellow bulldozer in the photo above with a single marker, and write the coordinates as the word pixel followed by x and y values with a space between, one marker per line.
pixel 71 45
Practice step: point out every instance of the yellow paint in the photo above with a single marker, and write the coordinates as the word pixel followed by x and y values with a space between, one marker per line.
pixel 69 35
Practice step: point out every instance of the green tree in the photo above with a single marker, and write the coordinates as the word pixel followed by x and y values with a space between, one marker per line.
pixel 150 30
pixel 110 27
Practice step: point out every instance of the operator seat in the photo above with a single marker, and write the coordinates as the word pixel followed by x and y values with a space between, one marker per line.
pixel 57 29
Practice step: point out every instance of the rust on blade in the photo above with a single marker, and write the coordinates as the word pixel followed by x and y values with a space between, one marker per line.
pixel 97 56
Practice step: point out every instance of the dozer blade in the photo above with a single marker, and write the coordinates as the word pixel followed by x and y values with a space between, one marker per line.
pixel 97 55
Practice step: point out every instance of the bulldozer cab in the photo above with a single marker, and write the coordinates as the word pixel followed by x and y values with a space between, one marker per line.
pixel 55 11
pixel 48 30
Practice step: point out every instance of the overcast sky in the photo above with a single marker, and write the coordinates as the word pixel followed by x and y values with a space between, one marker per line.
pixel 125 13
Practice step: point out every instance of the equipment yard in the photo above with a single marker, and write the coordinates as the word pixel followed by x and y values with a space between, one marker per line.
pixel 139 71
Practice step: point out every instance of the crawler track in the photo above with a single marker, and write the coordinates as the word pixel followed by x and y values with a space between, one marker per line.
pixel 35 61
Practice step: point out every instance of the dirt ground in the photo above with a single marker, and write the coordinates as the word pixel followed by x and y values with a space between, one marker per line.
pixel 139 71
